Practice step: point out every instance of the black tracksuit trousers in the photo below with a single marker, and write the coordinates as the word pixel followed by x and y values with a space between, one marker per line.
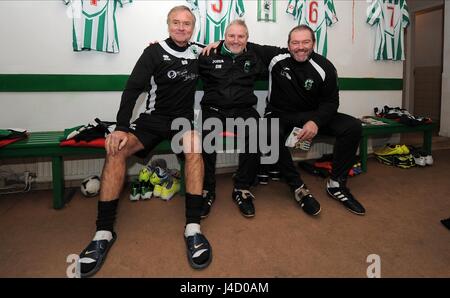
pixel 248 162
pixel 345 128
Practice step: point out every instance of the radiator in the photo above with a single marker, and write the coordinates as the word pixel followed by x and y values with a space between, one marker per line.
pixel 80 169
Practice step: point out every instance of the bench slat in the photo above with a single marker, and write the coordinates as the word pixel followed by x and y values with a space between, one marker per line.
pixel 46 144
pixel 38 140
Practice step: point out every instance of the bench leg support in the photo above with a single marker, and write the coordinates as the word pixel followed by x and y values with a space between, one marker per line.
pixel 427 140
pixel 58 181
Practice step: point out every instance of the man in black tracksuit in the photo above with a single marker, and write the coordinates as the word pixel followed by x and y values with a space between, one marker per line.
pixel 167 72
pixel 229 75
pixel 304 93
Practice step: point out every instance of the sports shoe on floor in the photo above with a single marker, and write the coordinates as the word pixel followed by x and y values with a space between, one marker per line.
pixel 420 160
pixel 404 148
pixel 159 176
pixel 157 191
pixel 146 190
pixel 208 200
pixel 93 256
pixel 263 179
pixel 420 157
pixel 429 160
pixel 144 174
pixel 306 201
pixel 199 252
pixel 244 200
pixel 263 175
pixel 169 189
pixel 275 175
pixel 135 191
pixel 392 150
pixel 404 161
pixel 343 195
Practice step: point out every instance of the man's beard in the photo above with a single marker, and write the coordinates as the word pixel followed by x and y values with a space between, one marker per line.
pixel 306 54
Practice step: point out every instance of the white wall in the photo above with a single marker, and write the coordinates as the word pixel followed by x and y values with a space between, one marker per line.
pixel 36 39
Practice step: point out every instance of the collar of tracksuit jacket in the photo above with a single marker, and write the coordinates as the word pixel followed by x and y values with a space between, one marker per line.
pixel 224 51
pixel 174 46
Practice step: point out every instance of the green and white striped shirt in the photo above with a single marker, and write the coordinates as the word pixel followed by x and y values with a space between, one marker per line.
pixel 391 18
pixel 213 17
pixel 94 24
pixel 318 15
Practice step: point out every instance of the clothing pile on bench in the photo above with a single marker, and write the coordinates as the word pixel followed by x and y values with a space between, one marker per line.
pixel 11 135
pixel 90 135
pixel 401 115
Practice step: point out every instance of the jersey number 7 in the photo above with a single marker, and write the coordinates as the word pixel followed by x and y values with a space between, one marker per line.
pixel 392 9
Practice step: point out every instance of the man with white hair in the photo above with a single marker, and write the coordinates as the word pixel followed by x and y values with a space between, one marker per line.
pixel 168 72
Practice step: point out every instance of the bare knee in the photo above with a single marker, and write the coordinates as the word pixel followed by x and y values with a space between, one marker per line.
pixel 132 146
pixel 191 143
pixel 119 156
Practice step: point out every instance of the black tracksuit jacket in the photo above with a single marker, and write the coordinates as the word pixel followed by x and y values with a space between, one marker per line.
pixel 168 74
pixel 309 89
pixel 229 82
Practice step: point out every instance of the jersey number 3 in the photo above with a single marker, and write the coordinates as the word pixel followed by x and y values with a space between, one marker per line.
pixel 217 9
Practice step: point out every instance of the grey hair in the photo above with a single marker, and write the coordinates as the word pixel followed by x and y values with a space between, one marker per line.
pixel 180 8
pixel 238 22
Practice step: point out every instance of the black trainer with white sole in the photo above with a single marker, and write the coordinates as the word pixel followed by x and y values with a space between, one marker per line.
pixel 244 199
pixel 94 255
pixel 263 179
pixel 275 175
pixel 199 252
pixel 306 201
pixel 343 195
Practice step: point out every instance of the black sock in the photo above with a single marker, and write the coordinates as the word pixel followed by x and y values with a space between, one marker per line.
pixel 194 205
pixel 106 215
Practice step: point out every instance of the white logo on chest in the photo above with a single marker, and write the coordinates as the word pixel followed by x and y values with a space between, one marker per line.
pixel 172 74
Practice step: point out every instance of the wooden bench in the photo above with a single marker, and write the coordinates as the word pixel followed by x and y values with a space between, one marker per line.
pixel 392 127
pixel 46 144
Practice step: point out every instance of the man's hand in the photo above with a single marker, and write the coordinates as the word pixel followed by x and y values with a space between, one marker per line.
pixel 209 47
pixel 116 141
pixel 309 131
